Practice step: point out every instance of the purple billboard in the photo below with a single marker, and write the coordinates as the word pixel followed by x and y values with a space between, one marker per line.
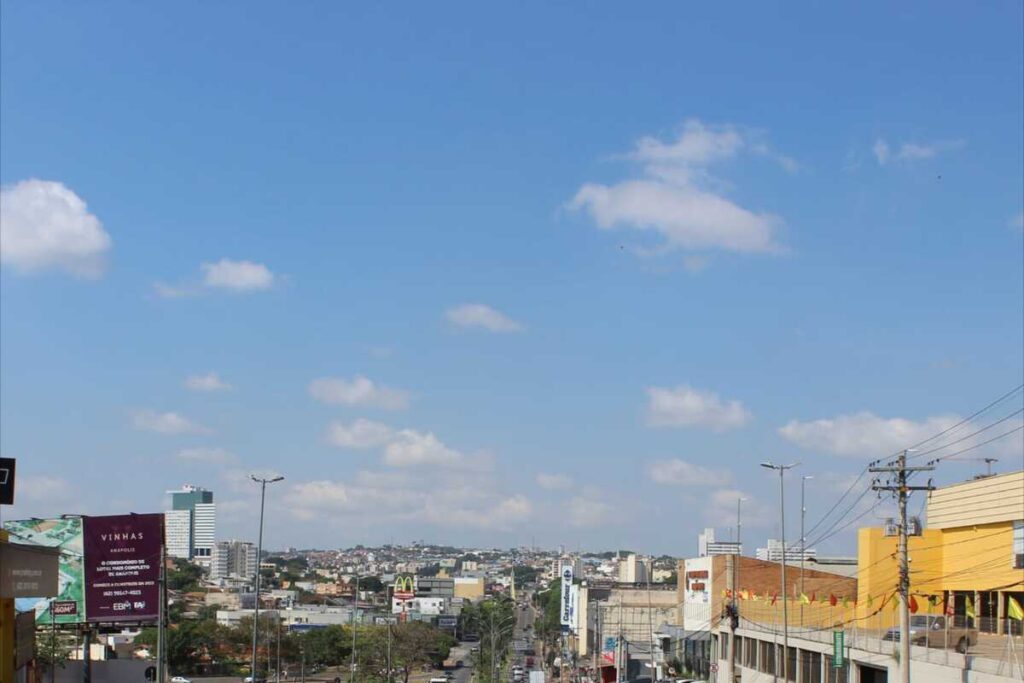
pixel 122 567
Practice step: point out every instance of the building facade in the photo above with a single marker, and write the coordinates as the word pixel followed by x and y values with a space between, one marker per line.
pixel 195 540
pixel 233 559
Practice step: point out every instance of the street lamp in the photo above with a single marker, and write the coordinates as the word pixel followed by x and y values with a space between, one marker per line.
pixel 259 552
pixel 803 540
pixel 785 602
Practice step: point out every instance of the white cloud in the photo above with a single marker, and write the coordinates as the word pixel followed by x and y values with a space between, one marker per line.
pixel 680 472
pixel 166 423
pixel 410 448
pixel 361 434
pixel 206 455
pixel 483 317
pixel 358 391
pixel 1018 221
pixel 433 497
pixel 912 151
pixel 553 482
pixel 677 200
pixel 44 225
pixel 208 382
pixel 685 406
pixel 867 435
pixel 239 276
pixel 863 434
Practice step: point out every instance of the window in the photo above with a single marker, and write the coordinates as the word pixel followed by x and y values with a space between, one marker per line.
pixel 810 667
pixel 750 654
pixel 1018 545
pixel 791 664
pixel 767 658
pixel 737 651
pixel 833 675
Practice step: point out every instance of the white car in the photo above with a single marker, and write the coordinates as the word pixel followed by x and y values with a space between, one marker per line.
pixel 180 679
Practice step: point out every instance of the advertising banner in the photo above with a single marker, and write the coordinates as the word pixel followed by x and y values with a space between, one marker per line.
pixel 608 650
pixel 66 536
pixel 28 571
pixel 566 608
pixel 122 567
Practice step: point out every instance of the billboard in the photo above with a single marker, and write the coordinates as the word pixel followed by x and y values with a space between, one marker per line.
pixel 65 534
pixel 566 609
pixel 122 567
pixel 28 571
pixel 108 570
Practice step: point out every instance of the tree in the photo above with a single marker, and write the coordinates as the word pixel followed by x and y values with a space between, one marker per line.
pixel 184 576
pixel 51 651
pixel 371 583
pixel 415 644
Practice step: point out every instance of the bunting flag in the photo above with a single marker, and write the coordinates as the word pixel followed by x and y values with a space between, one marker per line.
pixel 814 597
pixel 950 611
pixel 969 610
pixel 832 600
pixel 846 602
pixel 804 600
pixel 775 596
pixel 933 600
pixel 871 601
pixel 1014 610
pixel 895 602
pixel 913 605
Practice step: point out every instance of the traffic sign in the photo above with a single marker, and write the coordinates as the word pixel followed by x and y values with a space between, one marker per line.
pixel 6 481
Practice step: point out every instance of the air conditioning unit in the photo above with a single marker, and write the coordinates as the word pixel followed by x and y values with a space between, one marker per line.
pixel 891 527
pixel 914 526
pixel 1018 561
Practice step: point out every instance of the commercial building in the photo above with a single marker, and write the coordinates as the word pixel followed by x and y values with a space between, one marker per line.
pixel 469 588
pixel 191 524
pixel 178 532
pixel 707 545
pixel 233 560
pixel 632 569
pixel 773 553
pixel 965 567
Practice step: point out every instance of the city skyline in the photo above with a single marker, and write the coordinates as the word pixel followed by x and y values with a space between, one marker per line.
pixel 548 277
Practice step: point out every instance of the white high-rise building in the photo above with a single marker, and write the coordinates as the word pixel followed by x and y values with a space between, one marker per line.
pixel 632 569
pixel 204 531
pixel 773 553
pixel 193 518
pixel 178 530
pixel 233 559
pixel 707 545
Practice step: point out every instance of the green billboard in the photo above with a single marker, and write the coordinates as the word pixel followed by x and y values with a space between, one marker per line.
pixel 65 534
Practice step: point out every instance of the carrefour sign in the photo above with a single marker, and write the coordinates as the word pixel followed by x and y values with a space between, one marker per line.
pixel 566 611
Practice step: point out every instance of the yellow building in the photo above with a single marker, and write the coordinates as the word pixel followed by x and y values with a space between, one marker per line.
pixel 969 559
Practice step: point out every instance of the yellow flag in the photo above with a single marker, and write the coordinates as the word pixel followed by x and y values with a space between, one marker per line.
pixel 895 602
pixel 969 611
pixel 1014 610
pixel 871 601
pixel 804 600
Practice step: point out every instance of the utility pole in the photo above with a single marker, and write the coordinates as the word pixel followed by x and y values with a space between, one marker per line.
pixel 785 593
pixel 259 554
pixel 161 618
pixel 902 491
pixel 355 606
pixel 803 540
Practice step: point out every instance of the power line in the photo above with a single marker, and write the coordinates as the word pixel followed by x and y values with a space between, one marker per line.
pixel 971 448
pixel 972 434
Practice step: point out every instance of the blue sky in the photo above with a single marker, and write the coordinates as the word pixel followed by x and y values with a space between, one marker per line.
pixel 565 274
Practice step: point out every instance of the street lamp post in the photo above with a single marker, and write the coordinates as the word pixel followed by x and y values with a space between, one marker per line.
pixel 785 598
pixel 259 552
pixel 803 540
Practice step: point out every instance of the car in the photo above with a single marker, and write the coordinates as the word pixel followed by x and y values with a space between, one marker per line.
pixel 931 631
pixel 180 679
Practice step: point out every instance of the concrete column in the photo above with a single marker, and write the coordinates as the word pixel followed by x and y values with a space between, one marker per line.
pixel 1000 612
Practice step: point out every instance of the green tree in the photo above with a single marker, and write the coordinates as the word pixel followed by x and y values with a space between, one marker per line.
pixel 184 576
pixel 52 651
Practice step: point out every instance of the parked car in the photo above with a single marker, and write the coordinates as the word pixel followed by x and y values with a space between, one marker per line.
pixel 179 679
pixel 930 631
